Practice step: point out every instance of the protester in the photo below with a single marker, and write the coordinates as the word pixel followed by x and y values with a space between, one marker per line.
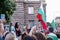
pixel 27 33
pixel 10 36
pixel 14 35
pixel 23 35
pixel 47 31
pixel 17 29
pixel 28 28
pixel 6 28
pixel 40 36
pixel 1 29
pixel 27 37
pixel 51 34
pixel 12 28
pixel 32 31
pixel 34 37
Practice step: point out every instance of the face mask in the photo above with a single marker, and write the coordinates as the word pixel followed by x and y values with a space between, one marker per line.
pixel 12 28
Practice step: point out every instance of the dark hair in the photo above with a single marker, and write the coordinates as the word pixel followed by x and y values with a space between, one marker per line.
pixel 49 38
pixel 10 26
pixel 16 25
pixel 34 37
pixel 27 37
pixel 11 23
pixel 51 29
pixel 18 32
pixel 40 36
pixel 23 35
pixel 39 20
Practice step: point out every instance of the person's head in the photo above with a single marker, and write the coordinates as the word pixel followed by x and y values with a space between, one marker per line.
pixel 34 37
pixel 11 24
pixel 10 36
pixel 22 35
pixel 16 25
pixel 51 29
pixel 5 34
pixel 40 36
pixel 27 37
pixel 12 28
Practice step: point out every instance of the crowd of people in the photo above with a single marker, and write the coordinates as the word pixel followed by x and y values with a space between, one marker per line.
pixel 14 32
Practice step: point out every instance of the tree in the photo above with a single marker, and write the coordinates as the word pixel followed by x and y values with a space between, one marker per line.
pixel 49 24
pixel 7 7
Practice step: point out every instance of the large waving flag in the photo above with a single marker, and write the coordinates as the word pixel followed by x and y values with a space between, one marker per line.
pixel 41 17
pixel 41 11
pixel 53 24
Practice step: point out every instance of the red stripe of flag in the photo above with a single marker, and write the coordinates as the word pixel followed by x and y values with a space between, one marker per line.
pixel 44 25
pixel 39 16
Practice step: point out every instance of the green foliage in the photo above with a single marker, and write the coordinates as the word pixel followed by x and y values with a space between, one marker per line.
pixel 7 7
pixel 48 24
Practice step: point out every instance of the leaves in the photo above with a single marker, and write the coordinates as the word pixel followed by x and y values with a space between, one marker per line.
pixel 7 7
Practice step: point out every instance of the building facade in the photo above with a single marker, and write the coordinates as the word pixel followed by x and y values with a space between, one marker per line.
pixel 57 20
pixel 26 11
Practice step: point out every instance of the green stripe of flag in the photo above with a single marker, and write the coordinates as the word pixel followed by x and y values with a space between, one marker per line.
pixel 40 11
pixel 53 24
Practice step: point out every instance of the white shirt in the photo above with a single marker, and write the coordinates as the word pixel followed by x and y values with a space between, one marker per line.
pixel 52 34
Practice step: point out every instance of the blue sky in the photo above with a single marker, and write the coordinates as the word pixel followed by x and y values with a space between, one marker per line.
pixel 52 9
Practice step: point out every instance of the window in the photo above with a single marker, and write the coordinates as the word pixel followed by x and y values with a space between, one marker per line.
pixel 32 0
pixel 16 0
pixel 30 10
pixel 31 23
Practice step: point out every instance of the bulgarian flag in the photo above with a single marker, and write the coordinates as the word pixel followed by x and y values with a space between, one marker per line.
pixel 41 17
